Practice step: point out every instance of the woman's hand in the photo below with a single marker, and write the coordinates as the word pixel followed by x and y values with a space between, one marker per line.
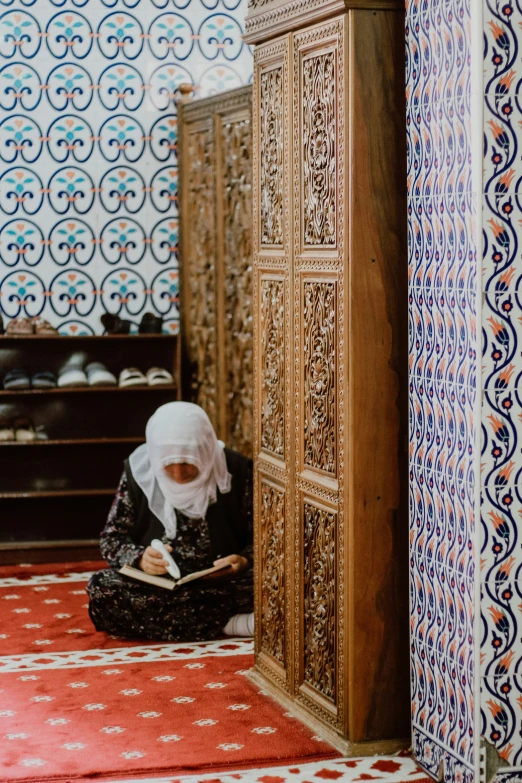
pixel 152 561
pixel 234 563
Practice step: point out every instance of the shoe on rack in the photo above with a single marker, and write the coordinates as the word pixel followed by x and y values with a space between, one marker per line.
pixel 113 324
pixel 19 327
pixel 151 324
pixel 24 430
pixel 99 375
pixel 158 376
pixel 16 380
pixel 72 376
pixel 6 431
pixel 41 326
pixel 43 380
pixel 131 376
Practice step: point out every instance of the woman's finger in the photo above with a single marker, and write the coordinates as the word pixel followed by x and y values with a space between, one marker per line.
pixel 161 564
pixel 154 554
pixel 155 570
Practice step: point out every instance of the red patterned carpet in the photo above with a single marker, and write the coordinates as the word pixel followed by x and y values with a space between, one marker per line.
pixel 79 706
pixel 76 704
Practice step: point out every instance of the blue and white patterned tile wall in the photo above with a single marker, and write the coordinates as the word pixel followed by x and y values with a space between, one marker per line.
pixel 469 677
pixel 88 167
pixel 443 372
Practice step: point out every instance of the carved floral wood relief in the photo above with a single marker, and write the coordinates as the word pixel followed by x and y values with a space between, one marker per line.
pixel 317 434
pixel 201 271
pixel 236 187
pixel 319 376
pixel 319 619
pixel 272 366
pixel 319 197
pixel 273 570
pixel 216 223
pixel 271 154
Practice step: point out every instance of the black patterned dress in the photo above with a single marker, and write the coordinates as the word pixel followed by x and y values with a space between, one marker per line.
pixel 194 612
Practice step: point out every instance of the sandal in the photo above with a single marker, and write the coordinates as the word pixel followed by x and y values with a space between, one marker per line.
pixel 16 380
pixel 98 375
pixel 24 430
pixel 19 326
pixel 157 376
pixel 113 324
pixel 131 376
pixel 41 326
pixel 151 324
pixel 6 431
pixel 72 376
pixel 43 380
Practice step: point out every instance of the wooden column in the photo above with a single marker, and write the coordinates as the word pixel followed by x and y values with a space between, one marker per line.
pixel 330 365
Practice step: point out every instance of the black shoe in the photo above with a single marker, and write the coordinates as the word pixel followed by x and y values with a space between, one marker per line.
pixel 151 324
pixel 113 324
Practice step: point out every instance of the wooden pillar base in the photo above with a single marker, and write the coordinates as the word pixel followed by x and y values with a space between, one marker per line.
pixel 348 749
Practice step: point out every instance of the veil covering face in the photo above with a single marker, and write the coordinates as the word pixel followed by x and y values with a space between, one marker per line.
pixel 180 432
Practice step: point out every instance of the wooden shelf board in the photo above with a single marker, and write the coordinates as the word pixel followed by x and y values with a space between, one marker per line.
pixel 56 493
pixel 87 337
pixel 91 389
pixel 73 442
pixel 66 544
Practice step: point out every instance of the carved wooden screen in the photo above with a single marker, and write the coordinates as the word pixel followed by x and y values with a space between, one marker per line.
pixel 319 327
pixel 330 342
pixel 272 402
pixel 216 259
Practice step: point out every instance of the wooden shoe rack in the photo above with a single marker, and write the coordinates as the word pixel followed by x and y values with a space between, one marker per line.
pixel 55 494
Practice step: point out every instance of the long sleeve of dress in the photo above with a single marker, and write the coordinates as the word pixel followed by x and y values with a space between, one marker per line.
pixel 247 513
pixel 116 545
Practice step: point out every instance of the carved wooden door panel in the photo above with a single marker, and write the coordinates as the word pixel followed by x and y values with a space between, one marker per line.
pixel 234 247
pixel 299 367
pixel 319 328
pixel 216 260
pixel 198 256
pixel 273 364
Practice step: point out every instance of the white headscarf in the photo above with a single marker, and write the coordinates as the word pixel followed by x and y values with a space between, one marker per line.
pixel 180 432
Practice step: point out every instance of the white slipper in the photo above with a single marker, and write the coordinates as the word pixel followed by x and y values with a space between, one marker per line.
pixel 157 376
pixel 72 377
pixel 131 376
pixel 98 375
pixel 6 431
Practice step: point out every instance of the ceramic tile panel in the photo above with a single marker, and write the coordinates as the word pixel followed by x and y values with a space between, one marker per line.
pixel 88 162
pixel 443 312
pixel 456 439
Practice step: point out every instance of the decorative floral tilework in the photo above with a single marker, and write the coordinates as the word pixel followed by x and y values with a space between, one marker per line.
pixel 446 418
pixel 88 154
pixel 501 460
pixel 443 306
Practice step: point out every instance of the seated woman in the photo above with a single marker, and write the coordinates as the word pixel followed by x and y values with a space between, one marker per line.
pixel 185 488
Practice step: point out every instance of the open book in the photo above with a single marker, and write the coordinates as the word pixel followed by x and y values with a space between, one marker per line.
pixel 167 582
